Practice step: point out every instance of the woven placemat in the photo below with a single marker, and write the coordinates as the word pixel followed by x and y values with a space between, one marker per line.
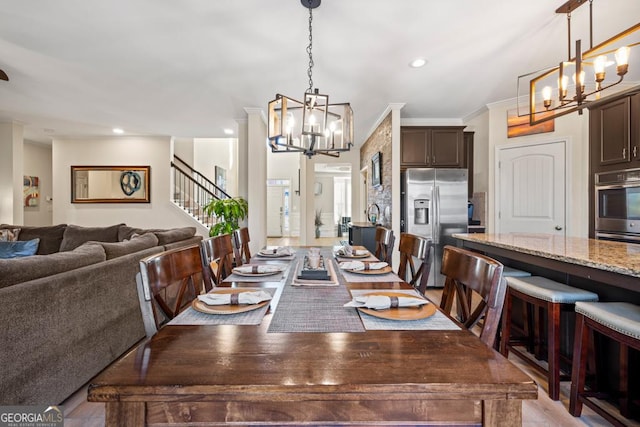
pixel 193 317
pixel 437 322
pixel 314 309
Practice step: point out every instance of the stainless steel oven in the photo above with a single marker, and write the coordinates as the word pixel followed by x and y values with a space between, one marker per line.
pixel 617 209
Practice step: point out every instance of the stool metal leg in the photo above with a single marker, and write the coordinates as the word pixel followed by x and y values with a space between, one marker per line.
pixel 624 380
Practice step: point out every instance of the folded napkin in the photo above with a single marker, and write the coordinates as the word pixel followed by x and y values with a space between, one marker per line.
pixel 257 269
pixel 349 251
pixel 236 298
pixel 359 265
pixel 381 302
pixel 284 251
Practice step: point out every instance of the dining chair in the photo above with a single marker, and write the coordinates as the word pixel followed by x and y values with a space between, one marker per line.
pixel 475 283
pixel 414 248
pixel 167 284
pixel 241 250
pixel 384 244
pixel 217 259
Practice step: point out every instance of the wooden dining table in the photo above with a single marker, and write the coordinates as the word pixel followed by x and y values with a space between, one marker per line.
pixel 248 374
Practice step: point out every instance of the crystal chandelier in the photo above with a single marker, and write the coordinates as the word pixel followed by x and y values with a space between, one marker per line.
pixel 312 126
pixel 590 63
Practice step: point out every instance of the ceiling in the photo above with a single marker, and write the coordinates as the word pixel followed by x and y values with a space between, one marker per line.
pixel 188 68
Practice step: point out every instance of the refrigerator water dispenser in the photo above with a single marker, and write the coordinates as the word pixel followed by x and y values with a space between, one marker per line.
pixel 421 211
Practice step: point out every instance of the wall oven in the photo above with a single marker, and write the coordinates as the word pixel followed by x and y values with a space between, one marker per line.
pixel 617 210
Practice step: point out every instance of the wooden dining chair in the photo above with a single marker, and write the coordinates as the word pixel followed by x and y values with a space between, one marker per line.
pixel 414 248
pixel 217 259
pixel 167 284
pixel 384 244
pixel 241 249
pixel 475 283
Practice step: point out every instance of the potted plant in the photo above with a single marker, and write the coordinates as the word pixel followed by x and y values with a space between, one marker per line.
pixel 228 213
pixel 318 222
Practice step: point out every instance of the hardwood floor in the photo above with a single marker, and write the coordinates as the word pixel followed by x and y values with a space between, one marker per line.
pixel 537 413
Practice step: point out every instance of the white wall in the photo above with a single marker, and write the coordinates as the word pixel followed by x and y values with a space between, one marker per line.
pixel 121 151
pixel 11 165
pixel 37 162
pixel 222 152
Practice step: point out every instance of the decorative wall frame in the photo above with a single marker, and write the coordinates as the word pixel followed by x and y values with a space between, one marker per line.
pixel 110 184
pixel 376 175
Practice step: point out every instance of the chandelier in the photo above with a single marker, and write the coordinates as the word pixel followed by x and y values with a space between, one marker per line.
pixel 592 63
pixel 312 126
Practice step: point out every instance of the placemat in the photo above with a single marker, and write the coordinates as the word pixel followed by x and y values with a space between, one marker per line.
pixel 349 277
pixel 437 322
pixel 314 309
pixel 193 317
pixel 233 277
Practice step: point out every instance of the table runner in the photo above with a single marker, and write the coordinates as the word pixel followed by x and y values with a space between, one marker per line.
pixel 193 317
pixel 437 322
pixel 314 309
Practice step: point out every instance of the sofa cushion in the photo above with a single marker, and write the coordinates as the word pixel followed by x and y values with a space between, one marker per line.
pixel 50 236
pixel 18 249
pixel 174 235
pixel 18 270
pixel 135 244
pixel 125 232
pixel 9 234
pixel 75 235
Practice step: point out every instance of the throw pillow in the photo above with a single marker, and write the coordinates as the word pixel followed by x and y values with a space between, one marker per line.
pixel 75 235
pixel 136 244
pixel 19 248
pixel 9 234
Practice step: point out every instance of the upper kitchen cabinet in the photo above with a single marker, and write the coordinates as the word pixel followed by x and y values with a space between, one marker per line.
pixel 614 133
pixel 435 146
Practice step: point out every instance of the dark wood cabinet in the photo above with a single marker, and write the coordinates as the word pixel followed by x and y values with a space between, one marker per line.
pixel 609 133
pixel 468 160
pixel 441 147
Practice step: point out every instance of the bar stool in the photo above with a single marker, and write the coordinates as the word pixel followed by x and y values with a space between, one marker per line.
pixel 619 321
pixel 547 294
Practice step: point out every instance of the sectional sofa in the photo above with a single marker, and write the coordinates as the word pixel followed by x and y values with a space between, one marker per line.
pixel 70 310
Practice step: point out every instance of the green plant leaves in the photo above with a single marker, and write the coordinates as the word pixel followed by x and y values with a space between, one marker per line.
pixel 228 212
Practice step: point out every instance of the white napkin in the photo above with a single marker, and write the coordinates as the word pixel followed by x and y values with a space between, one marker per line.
pixel 249 268
pixel 284 251
pixel 243 298
pixel 349 251
pixel 359 265
pixel 381 302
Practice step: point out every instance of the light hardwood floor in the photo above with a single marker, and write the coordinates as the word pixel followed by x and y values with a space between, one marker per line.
pixel 536 413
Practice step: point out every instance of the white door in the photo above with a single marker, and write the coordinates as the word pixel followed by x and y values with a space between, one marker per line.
pixel 532 183
pixel 275 210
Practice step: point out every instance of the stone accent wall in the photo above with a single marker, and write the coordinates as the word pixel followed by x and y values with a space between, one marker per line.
pixel 379 141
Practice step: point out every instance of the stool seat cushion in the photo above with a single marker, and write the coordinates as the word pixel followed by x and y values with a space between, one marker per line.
pixel 549 290
pixel 513 272
pixel 619 316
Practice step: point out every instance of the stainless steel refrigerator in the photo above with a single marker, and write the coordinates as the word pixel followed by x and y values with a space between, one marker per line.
pixel 434 205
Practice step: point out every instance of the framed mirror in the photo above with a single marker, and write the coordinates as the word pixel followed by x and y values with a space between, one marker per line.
pixel 376 177
pixel 110 184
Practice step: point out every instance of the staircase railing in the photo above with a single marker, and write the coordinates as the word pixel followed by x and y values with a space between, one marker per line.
pixel 193 191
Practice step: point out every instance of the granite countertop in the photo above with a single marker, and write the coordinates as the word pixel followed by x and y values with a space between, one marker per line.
pixel 363 224
pixel 618 257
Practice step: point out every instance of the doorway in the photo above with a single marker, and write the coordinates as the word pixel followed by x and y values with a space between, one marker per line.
pixel 278 200
pixel 531 188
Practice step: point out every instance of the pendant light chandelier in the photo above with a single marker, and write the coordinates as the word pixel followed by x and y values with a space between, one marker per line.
pixel 590 65
pixel 312 126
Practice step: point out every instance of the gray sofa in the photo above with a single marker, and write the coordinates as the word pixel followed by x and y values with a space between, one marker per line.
pixel 72 309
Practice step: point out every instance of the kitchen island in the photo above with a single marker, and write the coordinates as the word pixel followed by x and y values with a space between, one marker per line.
pixel 611 269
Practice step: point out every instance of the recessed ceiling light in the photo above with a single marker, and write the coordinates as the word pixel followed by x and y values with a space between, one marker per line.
pixel 228 131
pixel 417 63
pixel 118 131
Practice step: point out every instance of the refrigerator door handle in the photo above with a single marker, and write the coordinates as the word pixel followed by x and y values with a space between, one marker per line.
pixel 436 214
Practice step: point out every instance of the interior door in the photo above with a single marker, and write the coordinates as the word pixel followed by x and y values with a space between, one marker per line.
pixel 532 185
pixel 275 210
